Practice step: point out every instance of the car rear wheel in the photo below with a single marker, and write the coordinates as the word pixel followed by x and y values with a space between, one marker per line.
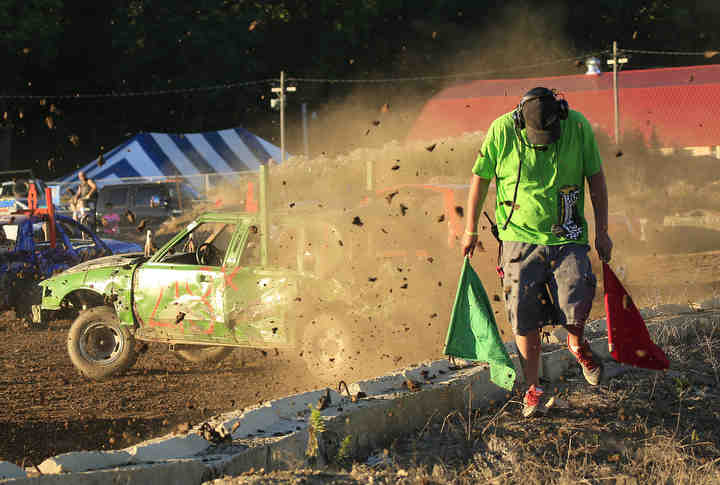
pixel 201 354
pixel 99 346
pixel 328 347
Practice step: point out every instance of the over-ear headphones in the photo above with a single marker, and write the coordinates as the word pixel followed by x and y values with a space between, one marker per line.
pixel 535 93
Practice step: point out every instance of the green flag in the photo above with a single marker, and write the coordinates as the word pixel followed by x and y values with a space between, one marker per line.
pixel 473 333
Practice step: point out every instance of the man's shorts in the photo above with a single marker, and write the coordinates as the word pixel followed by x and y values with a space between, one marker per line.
pixel 546 285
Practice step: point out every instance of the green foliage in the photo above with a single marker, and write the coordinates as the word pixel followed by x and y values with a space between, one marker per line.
pixel 344 453
pixel 317 424
pixel 30 32
pixel 315 430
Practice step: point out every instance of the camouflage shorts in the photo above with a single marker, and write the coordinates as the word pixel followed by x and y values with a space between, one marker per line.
pixel 546 285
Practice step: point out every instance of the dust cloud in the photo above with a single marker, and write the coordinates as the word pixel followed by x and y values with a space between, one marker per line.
pixel 384 217
pixel 383 225
pixel 393 245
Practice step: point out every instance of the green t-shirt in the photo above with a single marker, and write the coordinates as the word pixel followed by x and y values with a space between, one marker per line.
pixel 551 194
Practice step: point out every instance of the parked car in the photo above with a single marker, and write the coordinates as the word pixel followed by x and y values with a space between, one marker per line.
pixel 27 255
pixel 14 190
pixel 127 204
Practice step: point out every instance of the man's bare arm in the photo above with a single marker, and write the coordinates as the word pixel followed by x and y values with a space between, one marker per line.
pixel 93 188
pixel 476 199
pixel 599 196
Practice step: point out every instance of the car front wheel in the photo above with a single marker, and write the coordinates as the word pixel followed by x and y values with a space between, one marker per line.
pixel 200 354
pixel 99 346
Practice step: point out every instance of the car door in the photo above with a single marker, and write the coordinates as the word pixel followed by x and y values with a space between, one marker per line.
pixel 258 299
pixel 177 298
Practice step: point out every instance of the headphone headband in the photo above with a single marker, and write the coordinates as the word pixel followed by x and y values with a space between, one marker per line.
pixel 535 93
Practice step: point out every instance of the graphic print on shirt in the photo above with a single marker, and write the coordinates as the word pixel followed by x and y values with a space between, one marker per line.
pixel 569 220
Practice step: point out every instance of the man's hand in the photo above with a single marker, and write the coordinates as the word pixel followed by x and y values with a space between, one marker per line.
pixel 604 246
pixel 469 243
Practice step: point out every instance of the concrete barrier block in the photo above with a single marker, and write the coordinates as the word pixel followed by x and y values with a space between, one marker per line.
pixel 255 457
pixel 556 363
pixel 289 453
pixel 649 312
pixel 251 421
pixel 519 374
pixel 168 448
pixel 380 385
pixel 418 372
pixel 595 326
pixel 10 470
pixel 672 308
pixel 511 348
pixel 81 461
pixel 600 347
pixel 177 473
pixel 709 304
pixel 289 407
pixel 557 336
pixel 381 419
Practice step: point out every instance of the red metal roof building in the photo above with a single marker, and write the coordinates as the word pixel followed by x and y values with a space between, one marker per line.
pixel 679 107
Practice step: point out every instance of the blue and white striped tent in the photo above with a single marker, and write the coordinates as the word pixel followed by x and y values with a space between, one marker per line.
pixel 186 154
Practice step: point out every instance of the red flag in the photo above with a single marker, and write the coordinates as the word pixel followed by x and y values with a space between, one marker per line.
pixel 628 338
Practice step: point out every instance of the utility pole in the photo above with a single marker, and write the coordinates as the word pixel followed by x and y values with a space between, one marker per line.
pixel 281 97
pixel 306 149
pixel 614 62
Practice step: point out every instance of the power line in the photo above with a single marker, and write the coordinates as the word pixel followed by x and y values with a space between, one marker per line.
pixel 162 92
pixel 447 76
pixel 234 85
pixel 708 53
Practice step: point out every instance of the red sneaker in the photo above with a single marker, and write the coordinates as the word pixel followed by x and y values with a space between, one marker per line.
pixel 531 401
pixel 591 366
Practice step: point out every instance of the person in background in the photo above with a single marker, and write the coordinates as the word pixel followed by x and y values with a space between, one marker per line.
pixel 85 197
pixel 540 155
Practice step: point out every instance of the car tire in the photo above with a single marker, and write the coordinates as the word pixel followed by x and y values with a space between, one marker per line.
pixel 328 346
pixel 99 346
pixel 201 354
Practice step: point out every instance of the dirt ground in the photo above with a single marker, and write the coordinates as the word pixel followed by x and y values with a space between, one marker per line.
pixel 47 408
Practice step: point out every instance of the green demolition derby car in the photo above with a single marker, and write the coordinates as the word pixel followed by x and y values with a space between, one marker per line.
pixel 210 289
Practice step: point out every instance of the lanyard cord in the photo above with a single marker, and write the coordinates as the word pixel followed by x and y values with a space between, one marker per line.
pixel 517 182
pixel 517 185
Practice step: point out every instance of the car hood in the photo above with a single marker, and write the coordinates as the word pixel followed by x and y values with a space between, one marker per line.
pixel 107 261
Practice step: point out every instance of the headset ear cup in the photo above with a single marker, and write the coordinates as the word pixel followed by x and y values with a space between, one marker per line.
pixel 564 109
pixel 518 118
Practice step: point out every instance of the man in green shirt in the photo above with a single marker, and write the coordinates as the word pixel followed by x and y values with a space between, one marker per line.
pixel 540 155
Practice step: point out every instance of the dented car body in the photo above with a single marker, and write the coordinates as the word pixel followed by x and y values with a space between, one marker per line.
pixel 28 255
pixel 210 287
